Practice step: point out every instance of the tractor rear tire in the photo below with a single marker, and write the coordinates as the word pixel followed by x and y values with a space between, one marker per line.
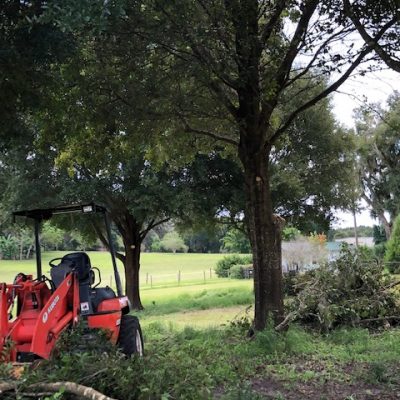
pixel 130 339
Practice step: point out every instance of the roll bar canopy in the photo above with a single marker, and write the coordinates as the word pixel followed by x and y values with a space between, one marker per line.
pixel 43 214
pixel 47 213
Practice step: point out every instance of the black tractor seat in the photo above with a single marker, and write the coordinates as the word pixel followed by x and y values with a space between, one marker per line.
pixel 79 262
pixel 89 297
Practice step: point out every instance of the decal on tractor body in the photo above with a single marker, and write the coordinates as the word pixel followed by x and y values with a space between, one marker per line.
pixel 50 308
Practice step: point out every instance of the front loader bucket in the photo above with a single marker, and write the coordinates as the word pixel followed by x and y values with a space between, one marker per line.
pixel 41 318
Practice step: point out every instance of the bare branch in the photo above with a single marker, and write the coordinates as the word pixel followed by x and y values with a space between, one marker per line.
pixel 367 49
pixel 83 392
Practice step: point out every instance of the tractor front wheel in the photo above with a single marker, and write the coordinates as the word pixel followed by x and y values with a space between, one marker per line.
pixel 130 338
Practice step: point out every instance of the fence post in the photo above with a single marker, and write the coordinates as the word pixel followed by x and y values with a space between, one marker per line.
pixel 179 277
pixel 204 276
pixel 147 278
pixel 210 273
pixel 151 281
pixel 110 281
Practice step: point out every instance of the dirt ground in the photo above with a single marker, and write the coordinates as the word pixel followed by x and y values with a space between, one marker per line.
pixel 272 389
pixel 348 382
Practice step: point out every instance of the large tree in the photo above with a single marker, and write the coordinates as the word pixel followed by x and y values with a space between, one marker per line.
pixel 379 160
pixel 230 66
pixel 100 125
pixel 243 57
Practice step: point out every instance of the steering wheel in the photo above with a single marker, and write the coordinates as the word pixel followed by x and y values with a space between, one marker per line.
pixel 52 261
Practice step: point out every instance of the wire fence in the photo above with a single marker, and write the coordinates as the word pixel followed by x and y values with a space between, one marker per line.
pixel 151 280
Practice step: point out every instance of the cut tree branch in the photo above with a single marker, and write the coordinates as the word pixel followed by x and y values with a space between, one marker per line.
pixel 83 392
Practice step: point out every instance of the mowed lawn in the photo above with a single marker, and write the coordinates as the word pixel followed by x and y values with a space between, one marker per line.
pixel 198 300
pixel 161 267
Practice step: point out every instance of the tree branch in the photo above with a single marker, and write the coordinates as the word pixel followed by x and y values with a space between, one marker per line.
pixel 389 61
pixel 152 225
pixel 316 54
pixel 270 26
pixel 71 387
pixel 215 136
pixel 105 242
pixel 298 37
pixel 83 392
pixel 322 95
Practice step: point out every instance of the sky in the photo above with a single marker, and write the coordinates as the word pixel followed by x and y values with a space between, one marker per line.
pixel 375 87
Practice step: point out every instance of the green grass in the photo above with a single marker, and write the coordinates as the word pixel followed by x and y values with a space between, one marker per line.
pixel 158 268
pixel 224 363
pixel 227 293
pixel 204 319
pixel 192 347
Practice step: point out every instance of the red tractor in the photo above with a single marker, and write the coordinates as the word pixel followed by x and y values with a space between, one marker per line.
pixel 47 306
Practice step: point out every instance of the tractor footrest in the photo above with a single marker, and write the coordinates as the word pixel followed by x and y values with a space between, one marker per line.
pixel 26 357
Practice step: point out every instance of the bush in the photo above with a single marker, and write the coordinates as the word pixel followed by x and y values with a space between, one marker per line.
pixel 224 265
pixel 353 290
pixel 236 272
pixel 172 242
pixel 392 255
pixel 8 248
pixel 379 250
pixel 236 241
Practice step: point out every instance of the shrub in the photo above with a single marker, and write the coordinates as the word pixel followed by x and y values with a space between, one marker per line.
pixel 379 250
pixel 172 242
pixel 236 272
pixel 290 233
pixel 224 265
pixel 8 247
pixel 392 255
pixel 353 290
pixel 236 241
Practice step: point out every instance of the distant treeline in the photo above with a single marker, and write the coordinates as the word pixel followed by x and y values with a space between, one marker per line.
pixel 362 231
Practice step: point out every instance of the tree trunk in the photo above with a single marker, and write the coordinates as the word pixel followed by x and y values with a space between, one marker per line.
pixel 386 225
pixel 132 244
pixel 265 237
pixel 28 252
